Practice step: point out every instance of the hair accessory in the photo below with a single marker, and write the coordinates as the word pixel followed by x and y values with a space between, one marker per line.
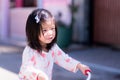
pixel 45 14
pixel 37 19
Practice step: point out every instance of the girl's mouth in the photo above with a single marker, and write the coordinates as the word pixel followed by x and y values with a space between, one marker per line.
pixel 50 38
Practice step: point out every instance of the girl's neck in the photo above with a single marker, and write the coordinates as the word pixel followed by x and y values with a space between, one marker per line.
pixel 43 45
pixel 44 49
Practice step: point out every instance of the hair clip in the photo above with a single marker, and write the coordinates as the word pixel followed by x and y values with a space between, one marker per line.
pixel 44 14
pixel 37 19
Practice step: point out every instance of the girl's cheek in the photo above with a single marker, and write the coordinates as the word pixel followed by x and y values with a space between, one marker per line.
pixel 45 34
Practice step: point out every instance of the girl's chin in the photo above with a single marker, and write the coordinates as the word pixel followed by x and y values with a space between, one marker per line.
pixel 48 42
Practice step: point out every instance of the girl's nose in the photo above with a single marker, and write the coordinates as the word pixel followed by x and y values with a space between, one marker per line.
pixel 50 32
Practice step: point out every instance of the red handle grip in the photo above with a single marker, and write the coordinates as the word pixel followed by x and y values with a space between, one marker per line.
pixel 87 71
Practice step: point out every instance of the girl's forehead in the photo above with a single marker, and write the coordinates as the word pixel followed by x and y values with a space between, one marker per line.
pixel 48 23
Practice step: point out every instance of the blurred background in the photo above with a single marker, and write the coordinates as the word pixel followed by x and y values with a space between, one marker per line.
pixel 89 30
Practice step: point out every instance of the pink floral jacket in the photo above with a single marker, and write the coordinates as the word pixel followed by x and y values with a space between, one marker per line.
pixel 33 62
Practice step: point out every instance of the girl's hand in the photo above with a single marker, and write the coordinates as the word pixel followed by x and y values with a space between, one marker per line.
pixel 42 77
pixel 83 68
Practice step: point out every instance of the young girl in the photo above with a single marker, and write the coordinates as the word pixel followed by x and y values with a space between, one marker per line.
pixel 42 51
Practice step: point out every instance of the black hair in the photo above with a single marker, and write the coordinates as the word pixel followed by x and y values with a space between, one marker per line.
pixel 34 26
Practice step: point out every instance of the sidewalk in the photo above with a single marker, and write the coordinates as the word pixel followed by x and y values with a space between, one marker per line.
pixel 103 61
pixel 7 75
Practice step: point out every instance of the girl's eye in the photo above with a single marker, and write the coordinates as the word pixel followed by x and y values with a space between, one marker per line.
pixel 44 30
pixel 52 28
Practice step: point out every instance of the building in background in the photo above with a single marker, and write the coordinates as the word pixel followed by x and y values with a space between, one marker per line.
pixel 96 22
pixel 106 22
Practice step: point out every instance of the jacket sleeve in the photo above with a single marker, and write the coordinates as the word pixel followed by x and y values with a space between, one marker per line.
pixel 64 60
pixel 28 71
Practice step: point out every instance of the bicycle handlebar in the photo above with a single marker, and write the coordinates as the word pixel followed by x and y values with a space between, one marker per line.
pixel 89 75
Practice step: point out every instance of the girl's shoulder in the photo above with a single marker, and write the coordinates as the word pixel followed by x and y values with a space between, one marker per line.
pixel 29 52
pixel 28 49
pixel 55 47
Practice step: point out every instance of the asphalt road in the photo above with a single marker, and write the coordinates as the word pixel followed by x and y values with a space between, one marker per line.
pixel 104 63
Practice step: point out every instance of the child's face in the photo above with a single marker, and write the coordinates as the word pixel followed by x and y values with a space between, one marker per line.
pixel 48 32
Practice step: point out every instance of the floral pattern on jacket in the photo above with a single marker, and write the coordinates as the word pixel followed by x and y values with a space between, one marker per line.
pixel 34 62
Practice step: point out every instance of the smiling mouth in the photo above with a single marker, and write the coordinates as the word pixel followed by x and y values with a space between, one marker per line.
pixel 50 38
